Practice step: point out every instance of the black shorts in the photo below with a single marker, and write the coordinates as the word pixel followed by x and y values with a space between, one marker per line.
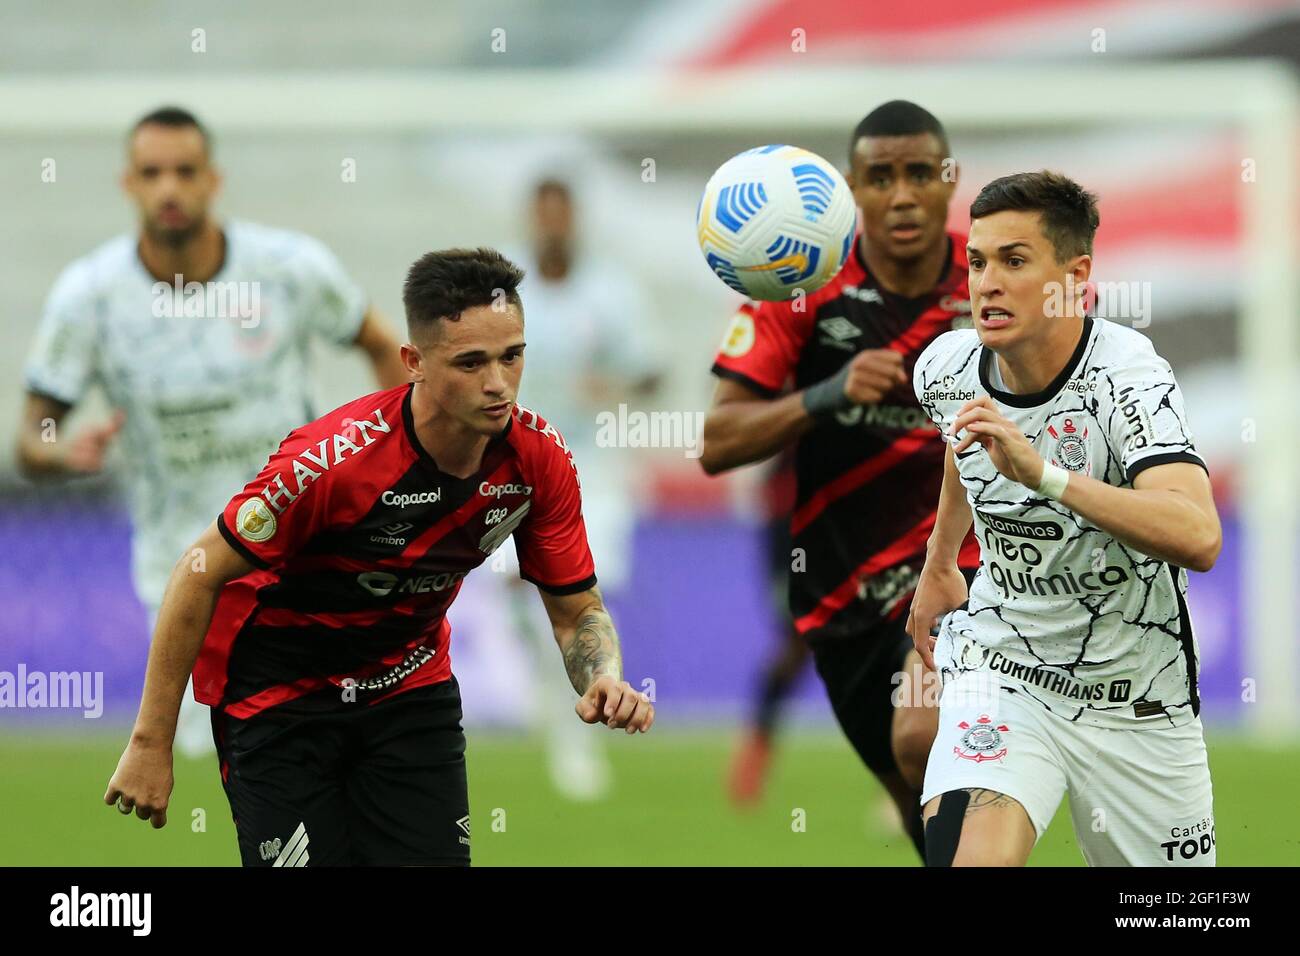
pixel 859 674
pixel 379 786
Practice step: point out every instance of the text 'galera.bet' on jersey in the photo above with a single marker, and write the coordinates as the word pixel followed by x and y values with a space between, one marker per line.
pixel 1092 629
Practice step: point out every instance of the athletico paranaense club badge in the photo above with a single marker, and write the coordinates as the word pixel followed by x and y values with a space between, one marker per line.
pixel 1071 447
pixel 982 740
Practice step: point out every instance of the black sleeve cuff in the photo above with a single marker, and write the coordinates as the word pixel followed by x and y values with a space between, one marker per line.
pixel 1168 458
pixel 763 391
pixel 232 539
pixel 577 587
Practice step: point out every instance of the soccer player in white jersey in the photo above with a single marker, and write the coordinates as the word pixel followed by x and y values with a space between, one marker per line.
pixel 1070 668
pixel 590 349
pixel 204 379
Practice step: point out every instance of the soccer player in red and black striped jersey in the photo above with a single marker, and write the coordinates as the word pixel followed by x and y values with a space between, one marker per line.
pixel 316 603
pixel 831 374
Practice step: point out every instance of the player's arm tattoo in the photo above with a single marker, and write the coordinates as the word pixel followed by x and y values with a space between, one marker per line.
pixel 593 650
pixel 981 799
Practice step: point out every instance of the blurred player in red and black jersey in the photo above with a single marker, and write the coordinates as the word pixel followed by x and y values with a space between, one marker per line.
pixel 316 603
pixel 831 374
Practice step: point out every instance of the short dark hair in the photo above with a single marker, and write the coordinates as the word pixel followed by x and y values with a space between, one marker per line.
pixel 1069 212
pixel 553 186
pixel 899 118
pixel 175 117
pixel 443 284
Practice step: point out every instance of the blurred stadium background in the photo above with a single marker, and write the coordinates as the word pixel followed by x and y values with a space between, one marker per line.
pixel 449 124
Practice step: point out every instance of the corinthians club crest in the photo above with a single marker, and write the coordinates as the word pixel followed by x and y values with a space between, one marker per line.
pixel 1071 446
pixel 982 740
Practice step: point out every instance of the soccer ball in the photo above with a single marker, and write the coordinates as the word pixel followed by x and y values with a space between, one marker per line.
pixel 776 221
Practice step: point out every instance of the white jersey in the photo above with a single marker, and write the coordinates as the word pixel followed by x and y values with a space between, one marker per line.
pixel 594 321
pixel 210 378
pixel 1092 629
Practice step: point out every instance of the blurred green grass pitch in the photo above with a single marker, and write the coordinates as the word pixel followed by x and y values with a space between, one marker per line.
pixel 668 807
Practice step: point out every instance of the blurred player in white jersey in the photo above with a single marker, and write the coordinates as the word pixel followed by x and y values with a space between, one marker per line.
pixel 589 349
pixel 197 331
pixel 1072 669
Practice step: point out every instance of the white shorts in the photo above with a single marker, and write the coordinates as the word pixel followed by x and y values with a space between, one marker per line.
pixel 1138 797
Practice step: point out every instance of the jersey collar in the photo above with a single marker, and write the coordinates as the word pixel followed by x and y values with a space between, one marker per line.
pixel 216 276
pixel 940 287
pixel 1033 399
pixel 408 423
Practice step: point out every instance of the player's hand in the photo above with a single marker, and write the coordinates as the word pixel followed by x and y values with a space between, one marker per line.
pixel 616 703
pixel 88 448
pixel 941 588
pixel 142 782
pixel 873 374
pixel 1008 448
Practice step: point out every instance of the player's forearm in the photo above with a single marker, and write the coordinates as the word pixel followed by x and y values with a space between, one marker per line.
pixel 953 517
pixel 387 366
pixel 382 348
pixel 38 459
pixel 590 649
pixel 183 621
pixel 1160 523
pixel 741 432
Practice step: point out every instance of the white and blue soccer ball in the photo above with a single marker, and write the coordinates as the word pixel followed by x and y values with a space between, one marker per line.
pixel 776 221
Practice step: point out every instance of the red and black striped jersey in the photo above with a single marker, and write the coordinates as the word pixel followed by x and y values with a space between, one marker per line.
pixel 360 544
pixel 868 480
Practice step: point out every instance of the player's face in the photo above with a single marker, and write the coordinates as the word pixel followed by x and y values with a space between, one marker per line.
pixel 171 180
pixel 898 182
pixel 553 220
pixel 1016 283
pixel 473 366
